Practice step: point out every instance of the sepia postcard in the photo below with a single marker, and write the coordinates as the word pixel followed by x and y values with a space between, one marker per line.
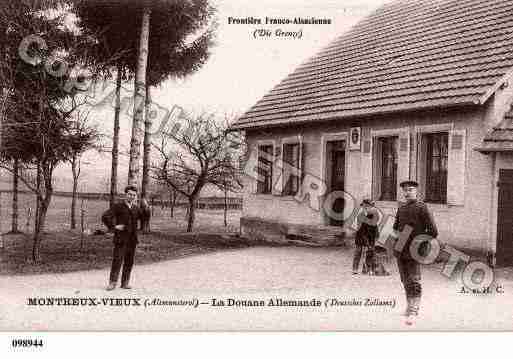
pixel 228 165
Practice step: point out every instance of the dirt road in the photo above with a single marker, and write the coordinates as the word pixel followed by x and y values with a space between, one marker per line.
pixel 250 276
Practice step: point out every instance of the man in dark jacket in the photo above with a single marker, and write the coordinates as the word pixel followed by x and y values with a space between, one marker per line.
pixel 412 216
pixel 122 219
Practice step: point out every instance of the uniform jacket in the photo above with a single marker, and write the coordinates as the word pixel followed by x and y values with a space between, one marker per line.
pixel 120 213
pixel 416 215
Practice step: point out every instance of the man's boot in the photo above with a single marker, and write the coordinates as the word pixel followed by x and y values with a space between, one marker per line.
pixel 111 286
pixel 413 310
pixel 126 286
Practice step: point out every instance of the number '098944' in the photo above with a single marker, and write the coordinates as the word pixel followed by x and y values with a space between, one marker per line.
pixel 27 343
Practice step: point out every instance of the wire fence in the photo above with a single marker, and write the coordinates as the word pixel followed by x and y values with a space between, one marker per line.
pixel 89 208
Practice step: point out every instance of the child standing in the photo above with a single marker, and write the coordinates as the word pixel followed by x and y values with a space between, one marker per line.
pixel 366 237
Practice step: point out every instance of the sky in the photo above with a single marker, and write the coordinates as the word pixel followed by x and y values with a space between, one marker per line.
pixel 240 70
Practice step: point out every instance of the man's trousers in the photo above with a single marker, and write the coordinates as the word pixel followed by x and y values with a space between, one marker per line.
pixel 409 270
pixel 123 253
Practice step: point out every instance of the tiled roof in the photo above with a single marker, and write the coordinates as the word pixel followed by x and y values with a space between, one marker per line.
pixel 500 138
pixel 406 55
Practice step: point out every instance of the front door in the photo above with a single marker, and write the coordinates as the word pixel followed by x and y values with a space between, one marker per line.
pixel 504 253
pixel 336 151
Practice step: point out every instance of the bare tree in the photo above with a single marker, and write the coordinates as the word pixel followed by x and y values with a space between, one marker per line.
pixel 231 177
pixel 197 153
pixel 82 137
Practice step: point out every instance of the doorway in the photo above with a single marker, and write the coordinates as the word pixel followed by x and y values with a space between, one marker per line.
pixel 504 254
pixel 336 173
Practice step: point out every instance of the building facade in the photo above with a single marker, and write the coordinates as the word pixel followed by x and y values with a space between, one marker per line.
pixel 419 90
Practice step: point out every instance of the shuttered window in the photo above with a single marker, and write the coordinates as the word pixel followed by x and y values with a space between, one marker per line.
pixel 437 157
pixel 265 169
pixel 388 175
pixel 385 168
pixel 291 156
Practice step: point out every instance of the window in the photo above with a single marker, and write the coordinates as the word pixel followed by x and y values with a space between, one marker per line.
pixel 436 167
pixel 385 168
pixel 265 169
pixel 388 168
pixel 291 157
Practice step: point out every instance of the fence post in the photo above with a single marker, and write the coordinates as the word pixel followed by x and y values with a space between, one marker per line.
pixel 29 216
pixel 82 214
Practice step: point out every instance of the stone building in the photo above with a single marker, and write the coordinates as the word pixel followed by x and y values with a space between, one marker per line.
pixel 417 90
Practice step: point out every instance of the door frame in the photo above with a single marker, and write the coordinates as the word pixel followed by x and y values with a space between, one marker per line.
pixel 498 222
pixel 325 138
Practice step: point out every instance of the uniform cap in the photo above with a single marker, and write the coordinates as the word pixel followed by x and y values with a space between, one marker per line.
pixel 409 183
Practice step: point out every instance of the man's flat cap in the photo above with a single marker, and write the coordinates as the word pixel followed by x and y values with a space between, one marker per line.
pixel 409 183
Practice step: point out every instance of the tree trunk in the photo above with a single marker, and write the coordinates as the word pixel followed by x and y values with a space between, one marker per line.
pixel 115 142
pixel 191 213
pixel 225 207
pixel 2 110
pixel 146 145
pixel 139 99
pixel 2 245
pixel 38 199
pixel 74 194
pixel 3 106
pixel 36 247
pixel 15 215
pixel 41 221
pixel 172 201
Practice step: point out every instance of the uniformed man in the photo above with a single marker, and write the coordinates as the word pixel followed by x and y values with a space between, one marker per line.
pixel 412 216
pixel 122 219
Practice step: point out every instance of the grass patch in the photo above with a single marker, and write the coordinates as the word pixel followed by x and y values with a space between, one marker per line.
pixel 61 250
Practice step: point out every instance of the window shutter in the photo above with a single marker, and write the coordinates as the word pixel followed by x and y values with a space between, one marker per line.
pixel 277 177
pixel 250 170
pixel 366 169
pixel 301 165
pixel 456 168
pixel 403 160
pixel 376 169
